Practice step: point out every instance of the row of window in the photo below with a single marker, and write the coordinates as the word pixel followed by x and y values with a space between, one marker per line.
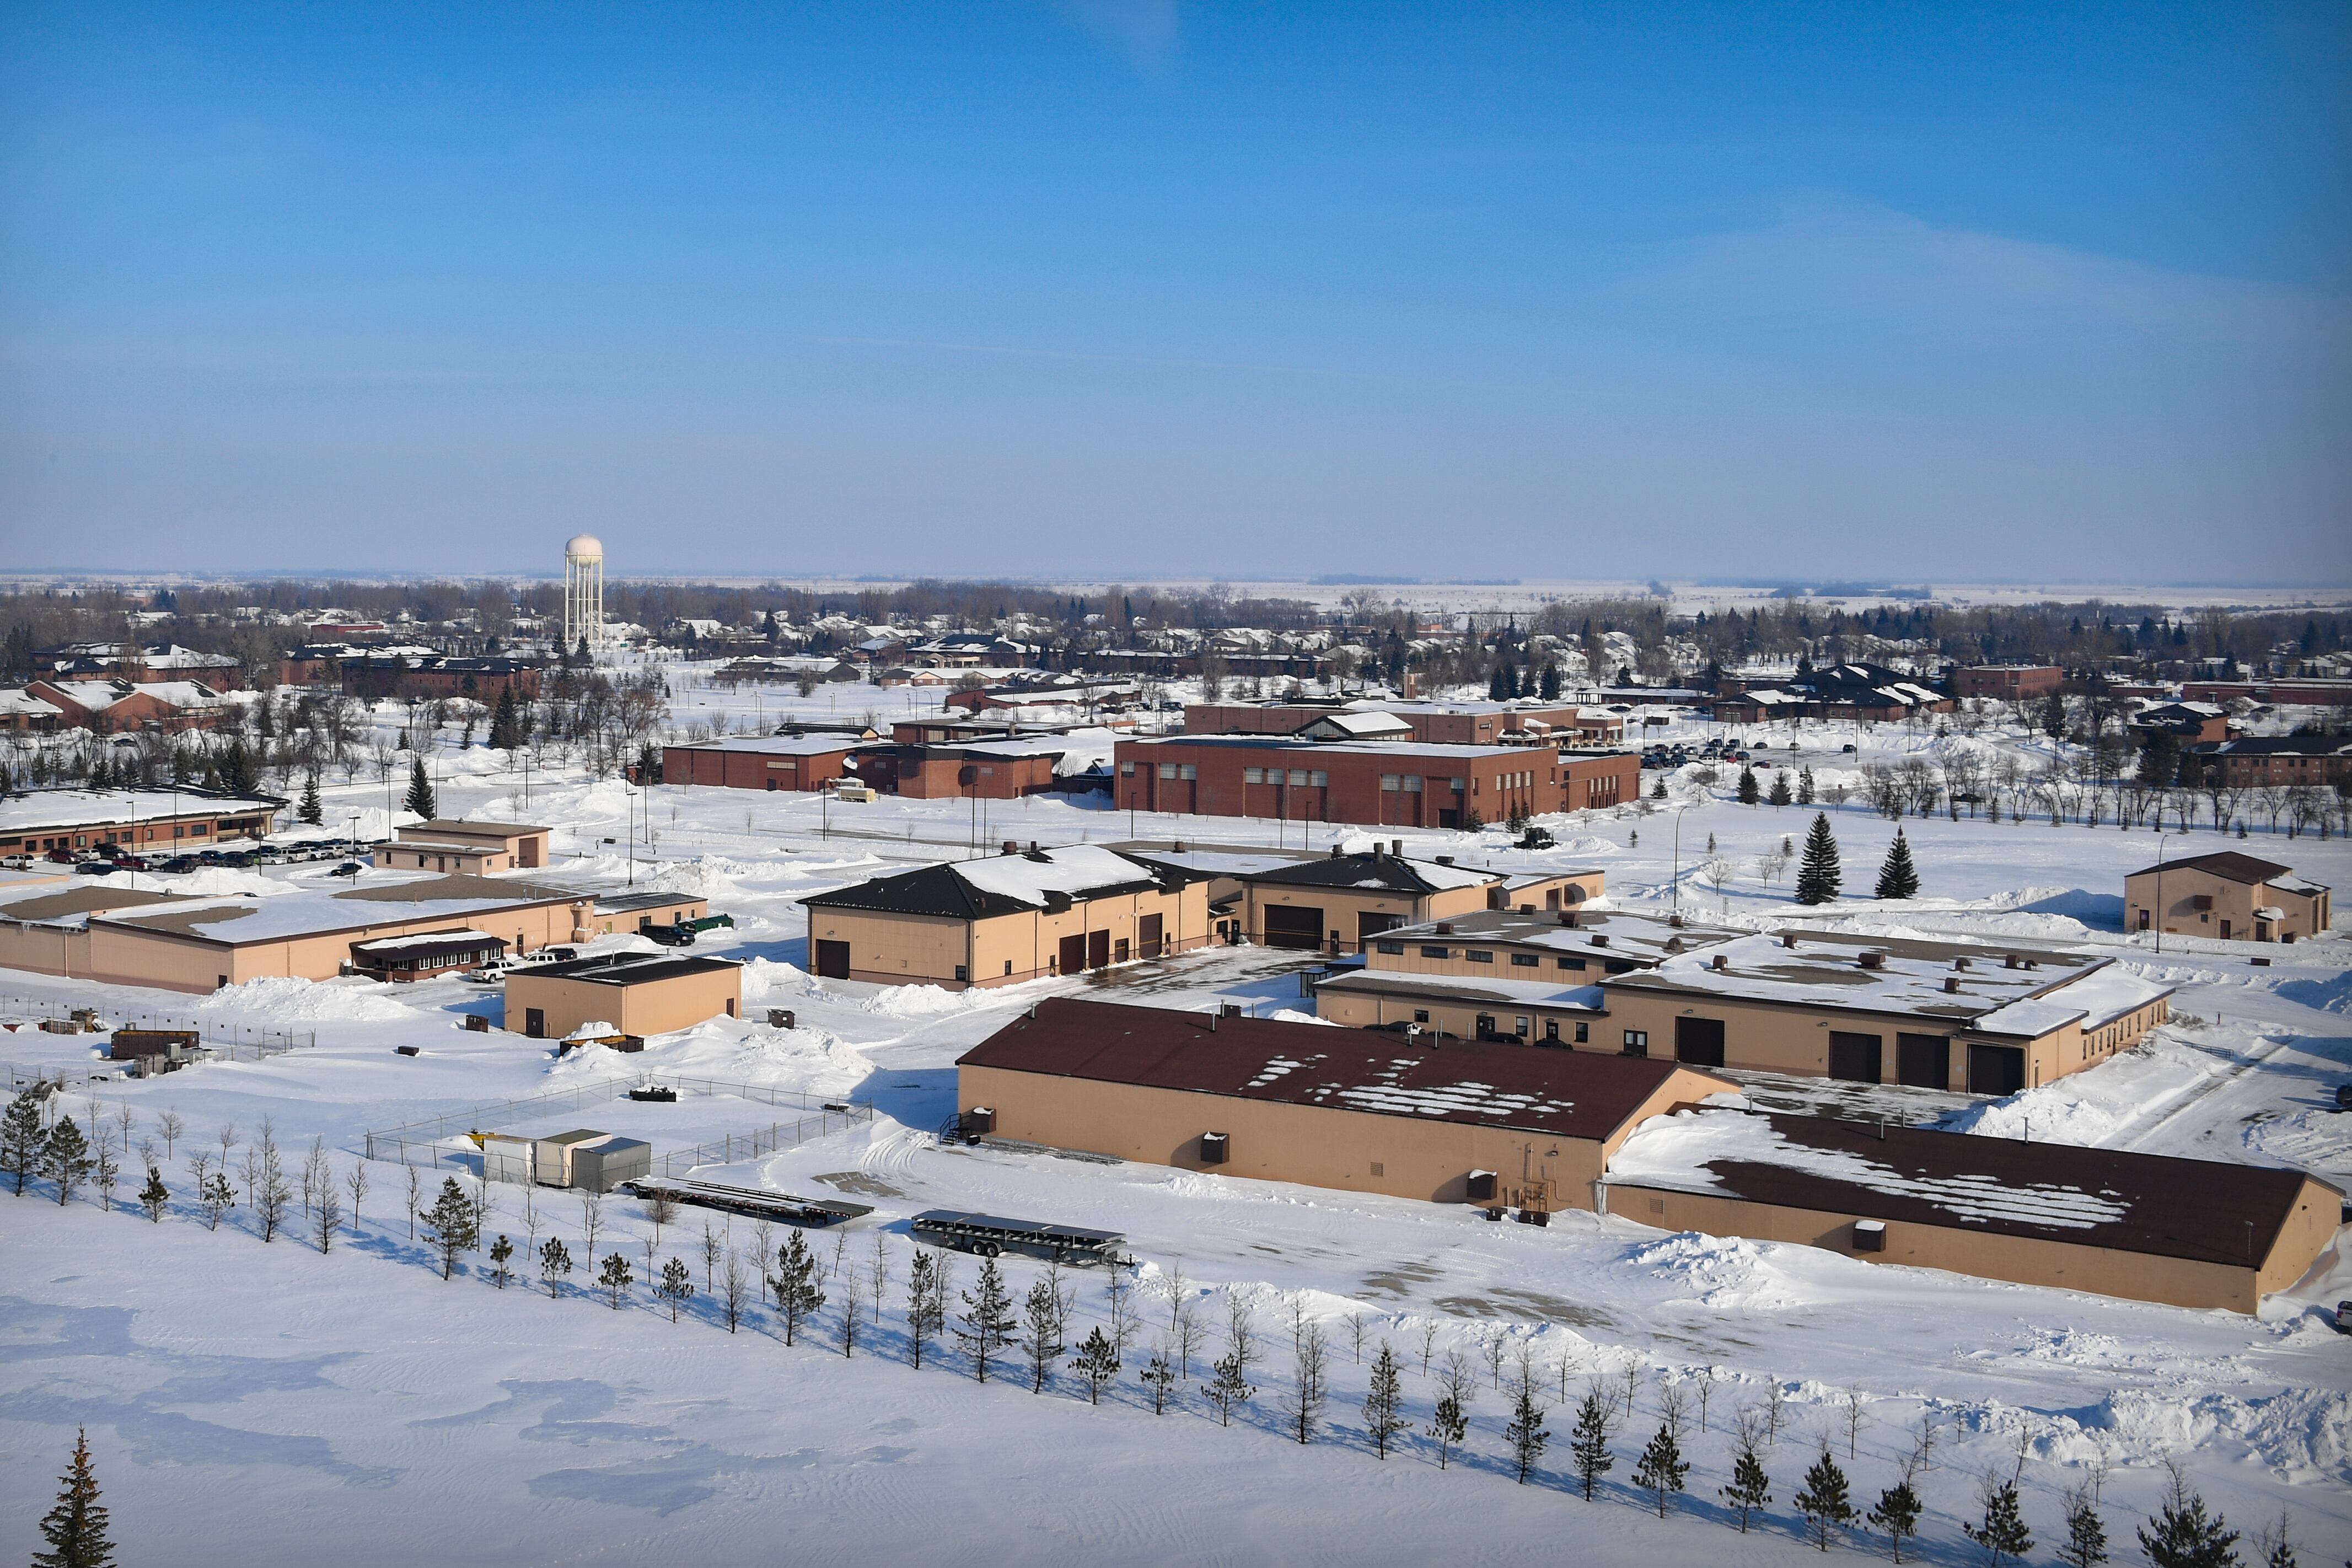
pixel 1481 955
pixel 1299 778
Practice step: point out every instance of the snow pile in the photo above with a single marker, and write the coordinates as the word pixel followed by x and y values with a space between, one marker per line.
pixel 282 999
pixel 1722 1273
pixel 813 1059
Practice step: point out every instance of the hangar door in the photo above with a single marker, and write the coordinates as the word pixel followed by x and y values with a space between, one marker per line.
pixel 1996 1069
pixel 1699 1041
pixel 1287 926
pixel 1855 1058
pixel 832 959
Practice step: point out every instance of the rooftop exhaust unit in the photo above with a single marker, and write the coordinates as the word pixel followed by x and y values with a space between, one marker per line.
pixel 1601 939
pixel 1217 1148
pixel 1870 1236
pixel 1951 985
pixel 1873 961
pixel 1721 963
pixel 1789 938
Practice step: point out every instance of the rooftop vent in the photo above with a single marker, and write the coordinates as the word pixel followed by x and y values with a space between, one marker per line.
pixel 1601 939
pixel 2009 960
pixel 1676 922
pixel 1959 964
pixel 1446 928
pixel 1445 859
pixel 1789 938
pixel 1396 848
pixel 1013 846
pixel 1336 850
pixel 1952 985
pixel 1230 1009
pixel 1674 945
pixel 1721 963
pixel 1568 917
pixel 1873 961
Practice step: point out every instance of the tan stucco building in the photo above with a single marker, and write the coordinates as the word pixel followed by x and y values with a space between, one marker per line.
pixel 636 992
pixel 1516 976
pixel 1302 1103
pixel 472 848
pixel 128 937
pixel 1969 1016
pixel 1336 903
pixel 1006 918
pixel 2189 1233
pixel 2228 896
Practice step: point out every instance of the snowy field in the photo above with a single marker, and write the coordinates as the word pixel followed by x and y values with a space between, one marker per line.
pixel 389 1416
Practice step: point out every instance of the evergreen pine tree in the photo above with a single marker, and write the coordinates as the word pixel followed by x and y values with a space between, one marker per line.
pixel 1384 1403
pixel 987 1318
pixel 312 810
pixel 419 798
pixel 1498 685
pixel 2086 1532
pixel 2003 1533
pixel 75 1528
pixel 1897 877
pixel 2183 1537
pixel 1805 784
pixel 502 721
pixel 1823 1501
pixel 1817 877
pixel 615 1277
pixel 1588 1443
pixel 1097 1361
pixel 20 1137
pixel 1750 1489
pixel 1897 1515
pixel 501 1252
pixel 1749 793
pixel 1547 686
pixel 1780 795
pixel 65 1158
pixel 155 1195
pixel 554 1263
pixel 794 1283
pixel 1229 1388
pixel 454 1224
pixel 1525 1433
pixel 677 1285
pixel 2053 717
pixel 1448 1425
pixel 1662 1469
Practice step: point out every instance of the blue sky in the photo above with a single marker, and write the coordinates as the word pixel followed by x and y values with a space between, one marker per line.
pixel 2000 292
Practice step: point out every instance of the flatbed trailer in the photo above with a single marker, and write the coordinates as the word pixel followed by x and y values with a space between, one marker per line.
pixel 755 1203
pixel 987 1235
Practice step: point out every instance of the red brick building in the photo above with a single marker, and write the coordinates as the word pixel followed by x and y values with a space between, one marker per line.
pixel 763 762
pixel 122 707
pixel 1438 723
pixel 2252 762
pixel 2007 682
pixel 987 769
pixel 1406 785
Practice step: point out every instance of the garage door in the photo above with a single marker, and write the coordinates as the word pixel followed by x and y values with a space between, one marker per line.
pixel 1853 1057
pixel 1699 1041
pixel 1996 1069
pixel 1289 927
pixel 831 959
pixel 1923 1061
pixel 1072 955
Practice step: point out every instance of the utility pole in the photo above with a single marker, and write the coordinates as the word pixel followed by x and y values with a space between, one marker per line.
pixel 1676 895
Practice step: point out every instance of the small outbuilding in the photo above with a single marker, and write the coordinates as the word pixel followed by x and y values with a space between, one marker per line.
pixel 636 994
pixel 2228 896
pixel 425 955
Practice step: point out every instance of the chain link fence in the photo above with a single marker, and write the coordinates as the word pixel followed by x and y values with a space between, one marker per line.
pixel 237 1041
pixel 423 1142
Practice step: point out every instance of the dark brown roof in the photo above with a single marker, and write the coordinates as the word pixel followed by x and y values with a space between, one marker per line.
pixel 2193 1209
pixel 1570 1094
pixel 622 968
pixel 2228 865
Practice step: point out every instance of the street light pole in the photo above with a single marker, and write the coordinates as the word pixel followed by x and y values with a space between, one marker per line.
pixel 1676 885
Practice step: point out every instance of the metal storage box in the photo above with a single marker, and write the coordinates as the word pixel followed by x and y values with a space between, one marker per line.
pixel 600 1167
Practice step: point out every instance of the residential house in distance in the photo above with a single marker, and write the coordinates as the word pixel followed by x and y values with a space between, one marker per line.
pixel 2193 724
pixel 116 706
pixel 1006 918
pixel 1958 1015
pixel 2228 896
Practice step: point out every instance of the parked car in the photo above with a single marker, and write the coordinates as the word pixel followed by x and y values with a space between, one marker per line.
pixel 131 862
pixel 61 857
pixel 494 973
pixel 180 865
pixel 348 868
pixel 670 935
pixel 94 869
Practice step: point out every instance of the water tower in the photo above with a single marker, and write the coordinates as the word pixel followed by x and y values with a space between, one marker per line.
pixel 583 591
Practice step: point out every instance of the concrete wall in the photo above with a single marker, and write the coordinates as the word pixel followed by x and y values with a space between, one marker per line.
pixel 645 1007
pixel 2024 1261
pixel 1314 1145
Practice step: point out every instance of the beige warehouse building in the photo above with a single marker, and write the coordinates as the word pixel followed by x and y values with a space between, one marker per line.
pixel 2189 1233
pixel 1006 918
pixel 2228 896
pixel 636 992
pixel 470 847
pixel 1332 1108
pixel 1969 1016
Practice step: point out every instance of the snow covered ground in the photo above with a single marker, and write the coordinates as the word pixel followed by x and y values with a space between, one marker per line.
pixel 389 1416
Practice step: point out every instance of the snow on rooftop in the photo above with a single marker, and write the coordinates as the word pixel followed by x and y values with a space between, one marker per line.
pixel 53 808
pixel 1077 870
pixel 1675 1151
